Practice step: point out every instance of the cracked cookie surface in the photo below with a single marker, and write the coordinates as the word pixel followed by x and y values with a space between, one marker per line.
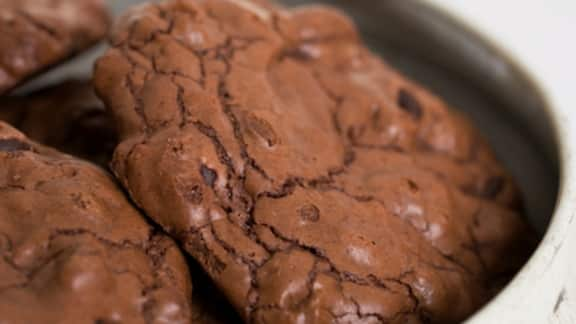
pixel 309 179
pixel 37 34
pixel 74 250
pixel 68 117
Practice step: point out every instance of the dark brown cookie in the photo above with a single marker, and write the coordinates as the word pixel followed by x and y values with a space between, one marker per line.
pixel 73 249
pixel 68 117
pixel 37 34
pixel 310 180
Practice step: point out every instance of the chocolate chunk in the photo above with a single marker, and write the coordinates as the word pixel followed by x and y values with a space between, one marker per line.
pixel 13 145
pixel 208 175
pixel 68 117
pixel 39 34
pixel 330 206
pixel 409 103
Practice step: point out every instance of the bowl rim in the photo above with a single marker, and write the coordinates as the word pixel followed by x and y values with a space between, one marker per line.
pixel 517 301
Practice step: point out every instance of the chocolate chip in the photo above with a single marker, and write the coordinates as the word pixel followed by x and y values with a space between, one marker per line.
pixel 413 186
pixel 493 187
pixel 13 145
pixel 309 213
pixel 208 175
pixel 409 104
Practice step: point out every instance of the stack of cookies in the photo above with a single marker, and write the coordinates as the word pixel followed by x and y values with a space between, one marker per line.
pixel 235 161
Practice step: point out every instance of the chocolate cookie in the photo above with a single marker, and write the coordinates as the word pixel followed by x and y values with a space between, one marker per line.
pixel 37 34
pixel 310 180
pixel 68 117
pixel 73 249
